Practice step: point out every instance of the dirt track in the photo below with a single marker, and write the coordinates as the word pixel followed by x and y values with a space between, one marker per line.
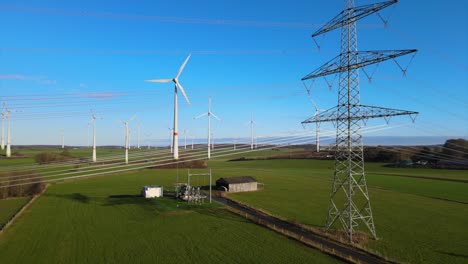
pixel 334 248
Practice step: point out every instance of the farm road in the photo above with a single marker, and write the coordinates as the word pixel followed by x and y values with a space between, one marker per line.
pixel 342 251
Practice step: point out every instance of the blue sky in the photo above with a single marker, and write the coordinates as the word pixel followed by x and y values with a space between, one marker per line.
pixel 58 59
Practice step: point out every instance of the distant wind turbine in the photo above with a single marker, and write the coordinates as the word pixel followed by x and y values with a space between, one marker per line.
pixel 148 135
pixel 317 125
pixel 138 139
pixel 127 136
pixel 252 123
pixel 209 114
pixel 63 138
pixel 192 141
pixel 185 138
pixel 177 87
pixel 8 117
pixel 93 121
pixel 88 135
pixel 8 150
pixel 3 129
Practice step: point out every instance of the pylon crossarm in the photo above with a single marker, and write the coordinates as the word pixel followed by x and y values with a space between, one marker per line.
pixel 365 112
pixel 343 18
pixel 364 58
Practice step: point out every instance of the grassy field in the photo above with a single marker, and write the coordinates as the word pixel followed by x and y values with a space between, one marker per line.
pixel 418 220
pixel 103 220
pixel 8 207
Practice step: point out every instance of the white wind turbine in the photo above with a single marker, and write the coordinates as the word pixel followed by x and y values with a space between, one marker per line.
pixel 8 117
pixel 63 138
pixel 192 140
pixel 148 135
pixel 93 121
pixel 209 114
pixel 252 123
pixel 171 141
pixel 127 136
pixel 317 125
pixel 177 87
pixel 88 135
pixel 3 129
pixel 185 138
pixel 8 149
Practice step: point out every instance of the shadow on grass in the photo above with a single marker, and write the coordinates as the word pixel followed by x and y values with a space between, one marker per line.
pixel 78 197
pixel 121 199
pixel 453 254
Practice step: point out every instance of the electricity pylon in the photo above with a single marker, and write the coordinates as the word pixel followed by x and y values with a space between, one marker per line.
pixel 349 198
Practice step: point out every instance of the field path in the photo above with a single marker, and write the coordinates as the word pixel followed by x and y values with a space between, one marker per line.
pixel 331 247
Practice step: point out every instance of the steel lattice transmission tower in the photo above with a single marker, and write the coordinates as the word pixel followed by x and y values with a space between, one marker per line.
pixel 349 198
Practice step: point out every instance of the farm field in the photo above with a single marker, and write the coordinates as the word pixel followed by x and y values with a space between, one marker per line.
pixel 418 220
pixel 8 207
pixel 102 220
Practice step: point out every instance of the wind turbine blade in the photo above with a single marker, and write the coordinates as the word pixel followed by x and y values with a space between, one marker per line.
pixel 132 118
pixel 202 115
pixel 183 66
pixel 160 80
pixel 182 90
pixel 215 116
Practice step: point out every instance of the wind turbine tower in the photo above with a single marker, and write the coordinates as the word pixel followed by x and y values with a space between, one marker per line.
pixel 3 130
pixel 8 149
pixel 93 121
pixel 349 202
pixel 209 114
pixel 127 136
pixel 171 141
pixel 87 138
pixel 148 135
pixel 317 124
pixel 252 123
pixel 177 87
pixel 7 114
pixel 185 138
pixel 63 138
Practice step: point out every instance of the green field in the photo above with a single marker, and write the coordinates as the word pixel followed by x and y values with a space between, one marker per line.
pixel 417 220
pixel 100 219
pixel 8 208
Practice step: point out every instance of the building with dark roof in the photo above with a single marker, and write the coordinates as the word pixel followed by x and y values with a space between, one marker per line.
pixel 237 184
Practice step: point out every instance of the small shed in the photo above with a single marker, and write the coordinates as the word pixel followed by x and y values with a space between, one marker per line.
pixel 152 191
pixel 237 184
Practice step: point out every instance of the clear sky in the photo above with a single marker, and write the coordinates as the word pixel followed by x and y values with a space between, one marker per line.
pixel 59 59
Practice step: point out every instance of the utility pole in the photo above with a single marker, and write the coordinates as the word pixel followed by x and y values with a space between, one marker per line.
pixel 349 199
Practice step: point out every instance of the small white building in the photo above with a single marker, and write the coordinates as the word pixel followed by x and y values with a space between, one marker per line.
pixel 152 191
